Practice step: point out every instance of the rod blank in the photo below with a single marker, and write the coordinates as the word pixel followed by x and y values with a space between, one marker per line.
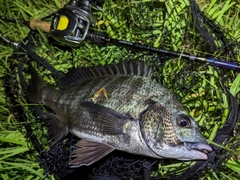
pixel 212 61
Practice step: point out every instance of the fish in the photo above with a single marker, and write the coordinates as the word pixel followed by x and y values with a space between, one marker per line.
pixel 118 107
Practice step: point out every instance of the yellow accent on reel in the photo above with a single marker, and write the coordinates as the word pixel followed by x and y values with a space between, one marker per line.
pixel 62 23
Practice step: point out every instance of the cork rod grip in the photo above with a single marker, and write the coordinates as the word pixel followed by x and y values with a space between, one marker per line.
pixel 43 25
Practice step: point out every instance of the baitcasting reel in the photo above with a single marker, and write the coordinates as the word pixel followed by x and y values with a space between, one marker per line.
pixel 71 24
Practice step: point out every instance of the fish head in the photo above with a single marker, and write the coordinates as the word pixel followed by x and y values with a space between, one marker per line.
pixel 170 132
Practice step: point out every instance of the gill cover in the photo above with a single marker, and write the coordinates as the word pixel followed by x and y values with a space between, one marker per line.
pixel 157 126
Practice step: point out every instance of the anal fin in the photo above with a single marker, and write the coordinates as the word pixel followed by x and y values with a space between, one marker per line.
pixel 88 153
pixel 56 129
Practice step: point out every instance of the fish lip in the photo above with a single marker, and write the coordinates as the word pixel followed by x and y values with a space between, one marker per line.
pixel 199 146
pixel 198 150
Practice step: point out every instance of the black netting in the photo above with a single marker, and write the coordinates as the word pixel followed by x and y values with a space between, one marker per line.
pixel 203 89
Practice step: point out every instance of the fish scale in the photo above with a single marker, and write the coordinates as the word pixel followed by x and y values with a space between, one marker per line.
pixel 116 100
pixel 138 116
pixel 169 134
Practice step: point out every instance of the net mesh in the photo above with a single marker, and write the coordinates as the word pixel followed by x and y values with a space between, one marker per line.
pixel 176 25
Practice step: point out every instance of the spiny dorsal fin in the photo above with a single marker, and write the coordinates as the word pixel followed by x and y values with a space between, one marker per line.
pixel 79 75
pixel 88 152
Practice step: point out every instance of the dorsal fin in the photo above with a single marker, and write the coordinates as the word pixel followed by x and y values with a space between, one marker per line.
pixel 79 75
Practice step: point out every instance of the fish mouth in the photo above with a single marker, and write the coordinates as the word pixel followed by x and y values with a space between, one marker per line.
pixel 200 149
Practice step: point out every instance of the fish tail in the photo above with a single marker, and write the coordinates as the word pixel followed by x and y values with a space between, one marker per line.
pixel 35 85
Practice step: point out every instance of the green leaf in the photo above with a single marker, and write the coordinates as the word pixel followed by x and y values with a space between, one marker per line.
pixel 12 152
pixel 22 166
pixel 233 165
pixel 13 140
pixel 235 88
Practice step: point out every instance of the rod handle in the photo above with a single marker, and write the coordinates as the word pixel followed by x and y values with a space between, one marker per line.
pixel 43 25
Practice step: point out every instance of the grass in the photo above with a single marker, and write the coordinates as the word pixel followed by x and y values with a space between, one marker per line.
pixel 17 160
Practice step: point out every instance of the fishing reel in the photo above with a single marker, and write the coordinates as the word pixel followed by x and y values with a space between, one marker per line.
pixel 71 24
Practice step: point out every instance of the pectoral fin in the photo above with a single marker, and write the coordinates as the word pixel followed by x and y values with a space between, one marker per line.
pixel 112 122
pixel 88 153
pixel 56 130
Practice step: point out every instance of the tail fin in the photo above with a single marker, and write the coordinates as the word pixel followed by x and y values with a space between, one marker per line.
pixel 35 85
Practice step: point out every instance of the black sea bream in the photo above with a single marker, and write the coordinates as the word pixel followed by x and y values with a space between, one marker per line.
pixel 118 107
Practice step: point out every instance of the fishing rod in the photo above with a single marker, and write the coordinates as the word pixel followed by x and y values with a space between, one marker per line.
pixel 14 44
pixel 73 24
pixel 210 60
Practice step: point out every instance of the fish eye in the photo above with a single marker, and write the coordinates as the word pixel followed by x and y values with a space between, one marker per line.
pixel 183 121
